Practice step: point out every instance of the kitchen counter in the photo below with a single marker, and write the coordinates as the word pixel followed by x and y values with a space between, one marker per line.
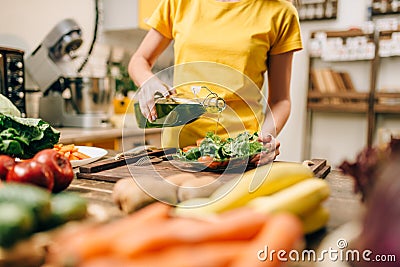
pixel 109 138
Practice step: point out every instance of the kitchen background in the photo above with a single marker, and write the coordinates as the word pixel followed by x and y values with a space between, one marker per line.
pixel 335 135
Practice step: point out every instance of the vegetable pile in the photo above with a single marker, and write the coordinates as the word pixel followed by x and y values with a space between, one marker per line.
pixel 24 137
pixel 242 146
pixel 151 237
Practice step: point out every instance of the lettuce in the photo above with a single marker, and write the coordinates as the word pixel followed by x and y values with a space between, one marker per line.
pixel 24 137
pixel 244 145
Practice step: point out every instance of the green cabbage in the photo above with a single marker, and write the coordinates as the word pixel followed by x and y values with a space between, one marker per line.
pixel 24 137
pixel 7 107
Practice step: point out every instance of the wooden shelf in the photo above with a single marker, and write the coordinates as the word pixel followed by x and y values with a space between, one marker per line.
pixel 388 33
pixel 344 33
pixel 339 107
pixel 318 19
pixel 387 103
pixel 387 95
pixel 338 101
pixel 387 108
pixel 375 13
pixel 342 95
pixel 339 61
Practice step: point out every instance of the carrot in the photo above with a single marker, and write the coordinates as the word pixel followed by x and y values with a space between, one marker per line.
pixel 211 254
pixel 73 157
pixel 66 148
pixel 107 261
pixel 232 225
pixel 98 240
pixel 80 155
pixel 70 152
pixel 282 232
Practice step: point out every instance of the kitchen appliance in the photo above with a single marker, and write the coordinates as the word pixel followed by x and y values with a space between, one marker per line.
pixel 12 77
pixel 68 98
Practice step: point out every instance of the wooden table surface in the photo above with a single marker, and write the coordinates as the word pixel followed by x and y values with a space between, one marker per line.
pixel 343 204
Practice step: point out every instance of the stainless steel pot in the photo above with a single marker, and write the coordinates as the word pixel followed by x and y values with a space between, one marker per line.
pixel 88 95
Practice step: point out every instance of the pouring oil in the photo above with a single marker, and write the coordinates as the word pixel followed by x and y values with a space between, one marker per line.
pixel 214 104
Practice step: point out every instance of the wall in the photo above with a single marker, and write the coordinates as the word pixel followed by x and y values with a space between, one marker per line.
pixel 24 23
pixel 335 136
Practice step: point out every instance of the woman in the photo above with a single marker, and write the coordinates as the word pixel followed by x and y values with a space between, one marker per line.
pixel 251 37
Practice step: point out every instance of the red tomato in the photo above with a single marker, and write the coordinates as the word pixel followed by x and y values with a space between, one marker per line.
pixel 6 164
pixel 59 165
pixel 209 162
pixel 198 142
pixel 32 172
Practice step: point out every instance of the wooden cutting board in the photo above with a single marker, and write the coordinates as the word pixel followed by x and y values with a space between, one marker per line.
pixel 165 168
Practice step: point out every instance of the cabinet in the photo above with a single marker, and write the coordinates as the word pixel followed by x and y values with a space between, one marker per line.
pixel 334 60
pixel 127 14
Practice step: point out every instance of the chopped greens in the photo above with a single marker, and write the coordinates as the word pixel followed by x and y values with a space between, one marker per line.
pixel 24 137
pixel 244 145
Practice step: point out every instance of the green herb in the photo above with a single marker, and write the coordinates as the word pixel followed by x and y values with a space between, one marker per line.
pixel 244 145
pixel 24 137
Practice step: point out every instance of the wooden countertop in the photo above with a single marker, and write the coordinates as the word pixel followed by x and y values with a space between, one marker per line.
pixel 79 135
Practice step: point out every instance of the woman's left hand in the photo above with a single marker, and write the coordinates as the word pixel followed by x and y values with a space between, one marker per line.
pixel 272 145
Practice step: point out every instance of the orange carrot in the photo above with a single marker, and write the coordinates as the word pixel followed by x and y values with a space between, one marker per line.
pixel 98 240
pixel 66 148
pixel 238 224
pixel 282 232
pixel 209 254
pixel 80 155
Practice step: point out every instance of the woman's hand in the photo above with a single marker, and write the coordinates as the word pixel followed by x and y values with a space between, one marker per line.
pixel 272 145
pixel 146 94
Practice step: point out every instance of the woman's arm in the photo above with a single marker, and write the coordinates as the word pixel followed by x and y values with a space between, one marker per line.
pixel 139 69
pixel 279 76
pixel 146 55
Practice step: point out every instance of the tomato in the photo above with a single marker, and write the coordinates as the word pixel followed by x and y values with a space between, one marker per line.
pixel 187 148
pixel 209 162
pixel 198 142
pixel 6 164
pixel 32 172
pixel 59 165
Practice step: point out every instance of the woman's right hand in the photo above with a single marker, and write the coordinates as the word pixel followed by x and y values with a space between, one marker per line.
pixel 146 93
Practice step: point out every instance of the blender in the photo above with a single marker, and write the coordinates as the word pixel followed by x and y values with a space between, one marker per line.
pixel 68 100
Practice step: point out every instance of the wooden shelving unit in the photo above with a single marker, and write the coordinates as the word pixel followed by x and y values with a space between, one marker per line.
pixel 387 103
pixel 385 7
pixel 338 102
pixel 317 10
pixel 371 103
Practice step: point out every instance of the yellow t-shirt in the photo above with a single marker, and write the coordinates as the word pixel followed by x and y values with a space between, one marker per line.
pixel 227 45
